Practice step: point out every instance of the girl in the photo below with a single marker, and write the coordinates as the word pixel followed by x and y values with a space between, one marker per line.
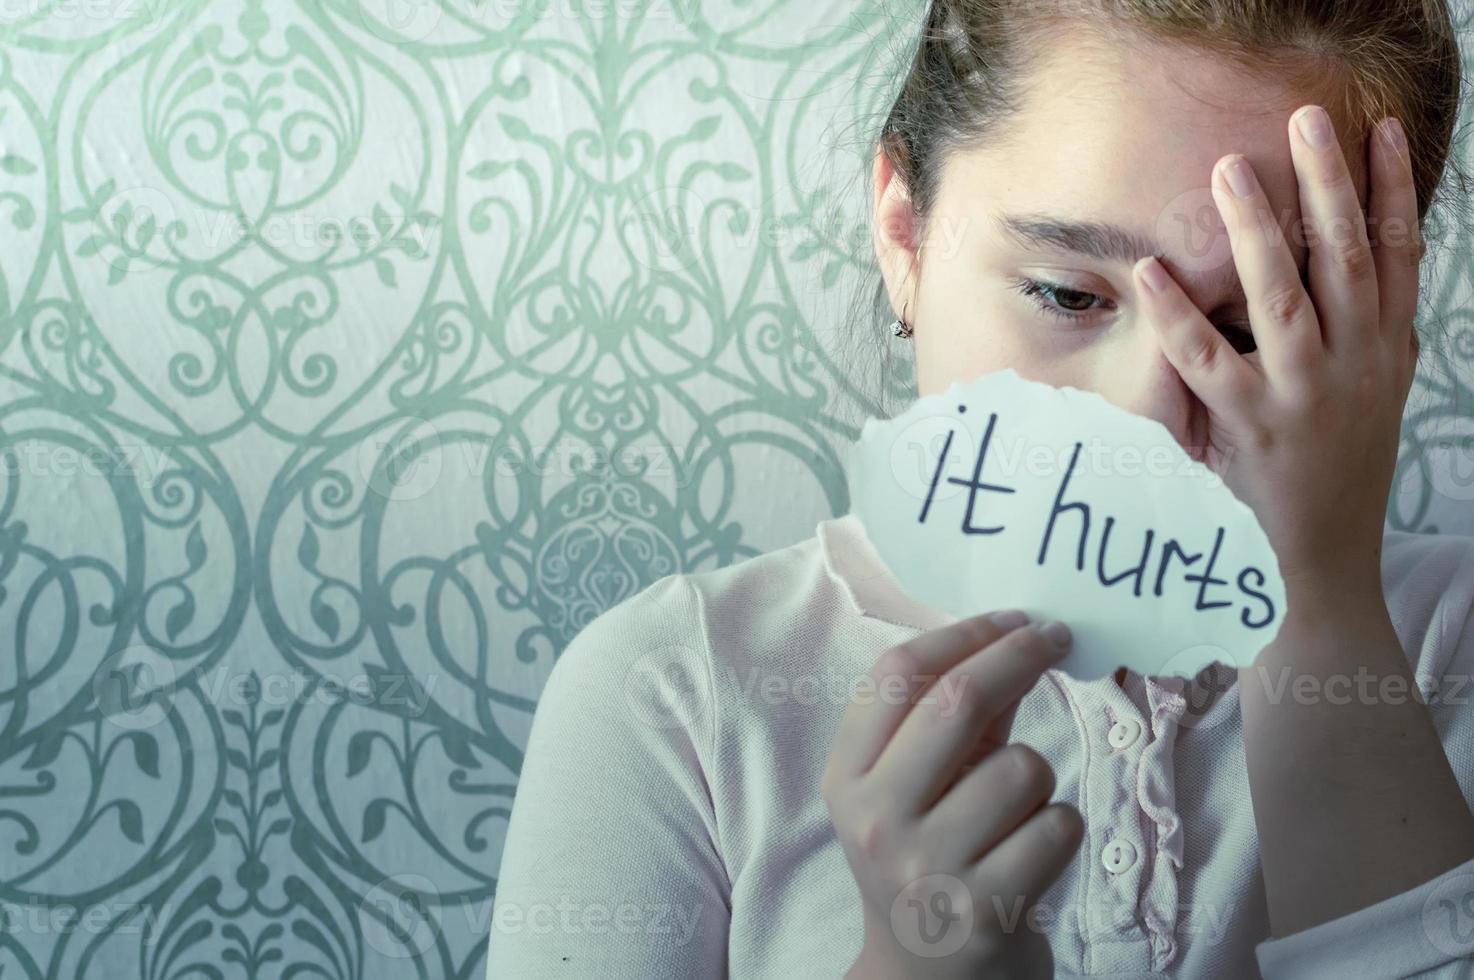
pixel 1208 211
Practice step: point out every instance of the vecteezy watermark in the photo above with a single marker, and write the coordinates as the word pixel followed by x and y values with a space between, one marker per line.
pixel 916 450
pixel 143 228
pixel 105 12
pixel 401 459
pixel 672 227
pixel 134 685
pixel 1448 916
pixel 397 915
pixel 407 457
pixel 1361 687
pixel 143 463
pixel 1448 464
pixel 64 918
pixel 1201 675
pixel 933 915
pixel 570 915
pixel 833 686
pixel 668 687
pixel 936 914
pixel 1191 234
pixel 403 914
pixel 1207 922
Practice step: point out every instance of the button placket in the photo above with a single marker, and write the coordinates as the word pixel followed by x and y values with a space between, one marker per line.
pixel 1119 859
pixel 1157 793
pixel 1131 803
pixel 1118 856
pixel 1124 733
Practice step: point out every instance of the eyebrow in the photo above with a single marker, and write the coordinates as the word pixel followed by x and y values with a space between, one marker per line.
pixel 1100 240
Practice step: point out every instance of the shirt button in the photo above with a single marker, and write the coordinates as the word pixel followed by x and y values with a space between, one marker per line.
pixel 1118 856
pixel 1123 733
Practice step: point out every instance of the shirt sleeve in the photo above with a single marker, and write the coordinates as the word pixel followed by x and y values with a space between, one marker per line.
pixel 1427 931
pixel 611 865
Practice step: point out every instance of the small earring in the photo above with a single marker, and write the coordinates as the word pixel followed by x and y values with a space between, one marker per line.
pixel 900 327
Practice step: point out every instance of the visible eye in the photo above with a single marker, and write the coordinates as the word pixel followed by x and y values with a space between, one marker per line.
pixel 1055 299
pixel 1074 304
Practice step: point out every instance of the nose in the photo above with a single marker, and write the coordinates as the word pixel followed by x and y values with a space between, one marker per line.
pixel 1143 381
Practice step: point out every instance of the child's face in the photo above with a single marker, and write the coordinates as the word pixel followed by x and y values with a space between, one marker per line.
pixel 1114 136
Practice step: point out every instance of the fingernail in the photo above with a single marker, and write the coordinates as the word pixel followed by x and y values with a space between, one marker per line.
pixel 1315 126
pixel 1057 633
pixel 1009 618
pixel 1240 177
pixel 1395 136
pixel 1154 275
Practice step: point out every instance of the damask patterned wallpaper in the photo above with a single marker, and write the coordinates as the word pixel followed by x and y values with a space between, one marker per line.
pixel 353 356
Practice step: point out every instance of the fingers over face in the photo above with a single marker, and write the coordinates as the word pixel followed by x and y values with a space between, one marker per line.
pixel 1341 268
pixel 1398 249
pixel 1217 374
pixel 1287 332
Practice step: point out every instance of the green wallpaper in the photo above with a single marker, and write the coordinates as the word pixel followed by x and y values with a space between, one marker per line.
pixel 353 356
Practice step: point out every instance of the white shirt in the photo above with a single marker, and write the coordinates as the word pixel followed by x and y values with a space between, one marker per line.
pixel 668 820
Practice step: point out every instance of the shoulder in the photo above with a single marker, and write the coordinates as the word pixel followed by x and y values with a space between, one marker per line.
pixel 649 635
pixel 685 607
pixel 1428 582
pixel 660 649
pixel 753 597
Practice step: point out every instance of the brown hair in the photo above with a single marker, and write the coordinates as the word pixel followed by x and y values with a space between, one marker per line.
pixel 1381 58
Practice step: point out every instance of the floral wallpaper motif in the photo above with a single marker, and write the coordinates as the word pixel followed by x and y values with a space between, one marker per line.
pixel 353 357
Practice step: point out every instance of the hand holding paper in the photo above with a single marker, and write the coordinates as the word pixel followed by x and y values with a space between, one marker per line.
pixel 1005 492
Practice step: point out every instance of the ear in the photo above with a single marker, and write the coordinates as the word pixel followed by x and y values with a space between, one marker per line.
pixel 896 235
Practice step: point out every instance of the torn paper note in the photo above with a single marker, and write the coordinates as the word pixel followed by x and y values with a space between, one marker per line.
pixel 1003 492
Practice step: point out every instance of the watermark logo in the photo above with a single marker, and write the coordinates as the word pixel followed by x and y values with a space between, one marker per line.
pixel 668 687
pixel 933 915
pixel 1448 916
pixel 396 920
pixel 128 687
